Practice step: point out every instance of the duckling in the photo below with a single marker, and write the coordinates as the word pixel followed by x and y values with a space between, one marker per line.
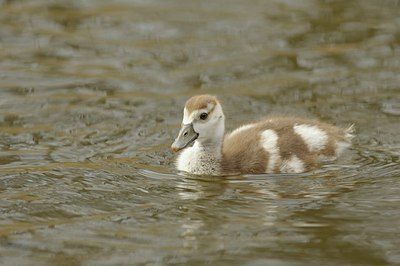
pixel 272 145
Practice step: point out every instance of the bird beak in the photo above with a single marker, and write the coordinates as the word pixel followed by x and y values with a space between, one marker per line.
pixel 186 136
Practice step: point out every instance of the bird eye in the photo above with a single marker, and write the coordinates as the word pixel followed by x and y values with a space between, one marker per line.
pixel 203 116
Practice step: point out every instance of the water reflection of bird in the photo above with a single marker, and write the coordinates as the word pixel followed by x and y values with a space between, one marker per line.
pixel 273 145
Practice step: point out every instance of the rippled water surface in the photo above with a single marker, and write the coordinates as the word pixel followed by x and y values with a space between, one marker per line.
pixel 91 94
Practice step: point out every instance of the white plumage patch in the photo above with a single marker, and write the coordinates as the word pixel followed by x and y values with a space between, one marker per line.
pixel 197 161
pixel 293 165
pixel 314 137
pixel 187 119
pixel 341 146
pixel 269 141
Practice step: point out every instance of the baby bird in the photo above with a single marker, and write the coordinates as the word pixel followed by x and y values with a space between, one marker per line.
pixel 273 145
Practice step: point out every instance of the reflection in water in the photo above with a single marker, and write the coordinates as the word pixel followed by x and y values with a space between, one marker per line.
pixel 90 99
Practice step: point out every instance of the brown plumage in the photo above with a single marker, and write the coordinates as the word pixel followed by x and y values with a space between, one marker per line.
pixel 200 102
pixel 241 152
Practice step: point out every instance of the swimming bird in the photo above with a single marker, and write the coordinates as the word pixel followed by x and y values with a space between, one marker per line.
pixel 272 145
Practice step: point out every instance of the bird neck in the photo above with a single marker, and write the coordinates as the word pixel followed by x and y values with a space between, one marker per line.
pixel 213 145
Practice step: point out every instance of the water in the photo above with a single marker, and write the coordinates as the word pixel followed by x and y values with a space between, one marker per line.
pixel 91 94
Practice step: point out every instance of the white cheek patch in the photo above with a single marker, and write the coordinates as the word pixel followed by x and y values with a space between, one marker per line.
pixel 314 137
pixel 293 165
pixel 187 119
pixel 269 141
